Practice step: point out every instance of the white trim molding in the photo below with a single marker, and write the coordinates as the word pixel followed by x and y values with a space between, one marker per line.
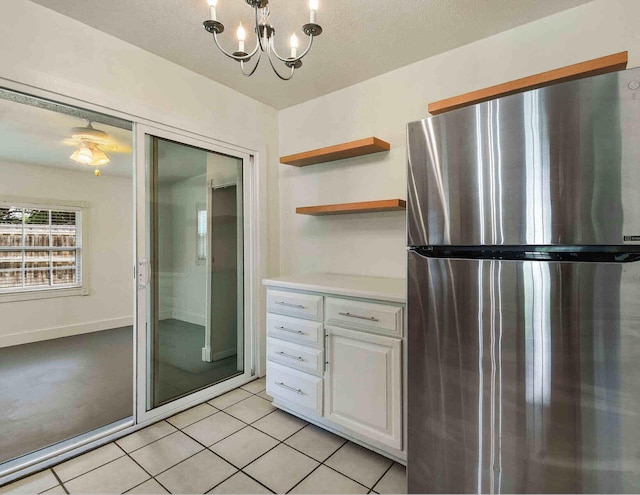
pixel 64 331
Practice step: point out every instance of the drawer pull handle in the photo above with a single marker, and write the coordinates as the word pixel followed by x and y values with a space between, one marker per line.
pixel 285 329
pixel 289 305
pixel 290 356
pixel 368 318
pixel 296 390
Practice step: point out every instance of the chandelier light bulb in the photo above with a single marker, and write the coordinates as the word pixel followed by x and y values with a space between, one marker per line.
pixel 294 45
pixel 313 7
pixel 212 8
pixel 242 35
pixel 264 43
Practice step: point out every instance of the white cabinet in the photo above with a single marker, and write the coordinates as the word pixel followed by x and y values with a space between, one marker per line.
pixel 295 387
pixel 366 316
pixel 363 384
pixel 335 359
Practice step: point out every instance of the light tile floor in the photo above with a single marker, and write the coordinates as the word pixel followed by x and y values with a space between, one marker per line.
pixel 235 443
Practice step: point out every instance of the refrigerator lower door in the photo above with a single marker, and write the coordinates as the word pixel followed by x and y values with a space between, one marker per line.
pixel 524 376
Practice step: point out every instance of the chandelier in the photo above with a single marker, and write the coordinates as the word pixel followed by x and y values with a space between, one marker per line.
pixel 265 39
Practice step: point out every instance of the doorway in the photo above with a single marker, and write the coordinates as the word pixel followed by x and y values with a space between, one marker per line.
pixel 192 271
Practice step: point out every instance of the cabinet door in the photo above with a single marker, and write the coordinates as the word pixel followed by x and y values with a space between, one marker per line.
pixel 363 384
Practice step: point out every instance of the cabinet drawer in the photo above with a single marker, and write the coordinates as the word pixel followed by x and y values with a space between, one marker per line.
pixel 295 330
pixel 295 387
pixel 294 304
pixel 296 356
pixel 374 317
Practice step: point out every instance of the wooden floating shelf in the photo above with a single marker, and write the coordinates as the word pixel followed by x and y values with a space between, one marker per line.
pixel 363 207
pixel 338 152
pixel 594 67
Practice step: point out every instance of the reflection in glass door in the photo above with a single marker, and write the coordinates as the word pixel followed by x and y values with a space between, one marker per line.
pixel 195 252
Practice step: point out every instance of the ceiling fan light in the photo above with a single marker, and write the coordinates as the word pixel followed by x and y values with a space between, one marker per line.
pixel 99 157
pixel 82 155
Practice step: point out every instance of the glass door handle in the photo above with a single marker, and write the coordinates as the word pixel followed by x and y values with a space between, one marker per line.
pixel 144 277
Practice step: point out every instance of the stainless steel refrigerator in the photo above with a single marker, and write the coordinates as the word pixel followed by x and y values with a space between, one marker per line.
pixel 524 293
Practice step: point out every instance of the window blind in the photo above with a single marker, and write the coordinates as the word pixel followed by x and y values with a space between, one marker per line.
pixel 40 248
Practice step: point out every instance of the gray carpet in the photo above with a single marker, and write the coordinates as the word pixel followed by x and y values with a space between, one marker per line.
pixel 181 369
pixel 54 390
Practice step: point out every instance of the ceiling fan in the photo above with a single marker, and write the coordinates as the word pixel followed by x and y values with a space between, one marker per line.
pixel 91 144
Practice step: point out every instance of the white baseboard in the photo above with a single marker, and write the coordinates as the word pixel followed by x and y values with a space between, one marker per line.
pixel 65 331
pixel 166 314
pixel 217 356
pixel 206 354
pixel 195 318
pixel 210 358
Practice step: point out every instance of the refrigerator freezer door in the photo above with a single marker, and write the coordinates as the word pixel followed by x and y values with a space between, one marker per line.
pixel 553 166
pixel 524 376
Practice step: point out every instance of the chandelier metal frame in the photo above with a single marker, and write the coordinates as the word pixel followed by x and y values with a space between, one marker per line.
pixel 265 34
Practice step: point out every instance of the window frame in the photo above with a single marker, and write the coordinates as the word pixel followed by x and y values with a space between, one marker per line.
pixel 48 292
pixel 201 208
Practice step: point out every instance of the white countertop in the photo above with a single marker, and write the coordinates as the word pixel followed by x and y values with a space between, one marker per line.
pixel 383 289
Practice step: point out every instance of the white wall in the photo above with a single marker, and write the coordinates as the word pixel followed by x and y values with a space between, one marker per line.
pixel 52 52
pixel 56 53
pixel 373 244
pixel 107 256
pixel 189 277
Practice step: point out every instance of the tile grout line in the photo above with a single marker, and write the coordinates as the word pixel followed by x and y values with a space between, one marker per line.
pixel 59 480
pixel 259 483
pixel 125 453
pixel 153 441
pixel 208 448
pixel 204 447
pixel 150 475
pixel 309 474
pixel 145 481
pixel 239 471
pixel 346 475
pixel 223 438
pixel 383 475
pixel 218 484
pixel 215 410
pixel 283 442
pixel 92 469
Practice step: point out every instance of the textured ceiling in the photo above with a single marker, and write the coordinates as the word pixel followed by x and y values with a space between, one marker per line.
pixel 361 38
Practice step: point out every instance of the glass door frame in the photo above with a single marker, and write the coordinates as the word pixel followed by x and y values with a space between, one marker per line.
pixel 143 316
pixel 246 145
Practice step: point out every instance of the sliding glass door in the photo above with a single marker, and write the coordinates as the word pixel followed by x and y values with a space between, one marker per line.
pixel 191 273
pixel 66 291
